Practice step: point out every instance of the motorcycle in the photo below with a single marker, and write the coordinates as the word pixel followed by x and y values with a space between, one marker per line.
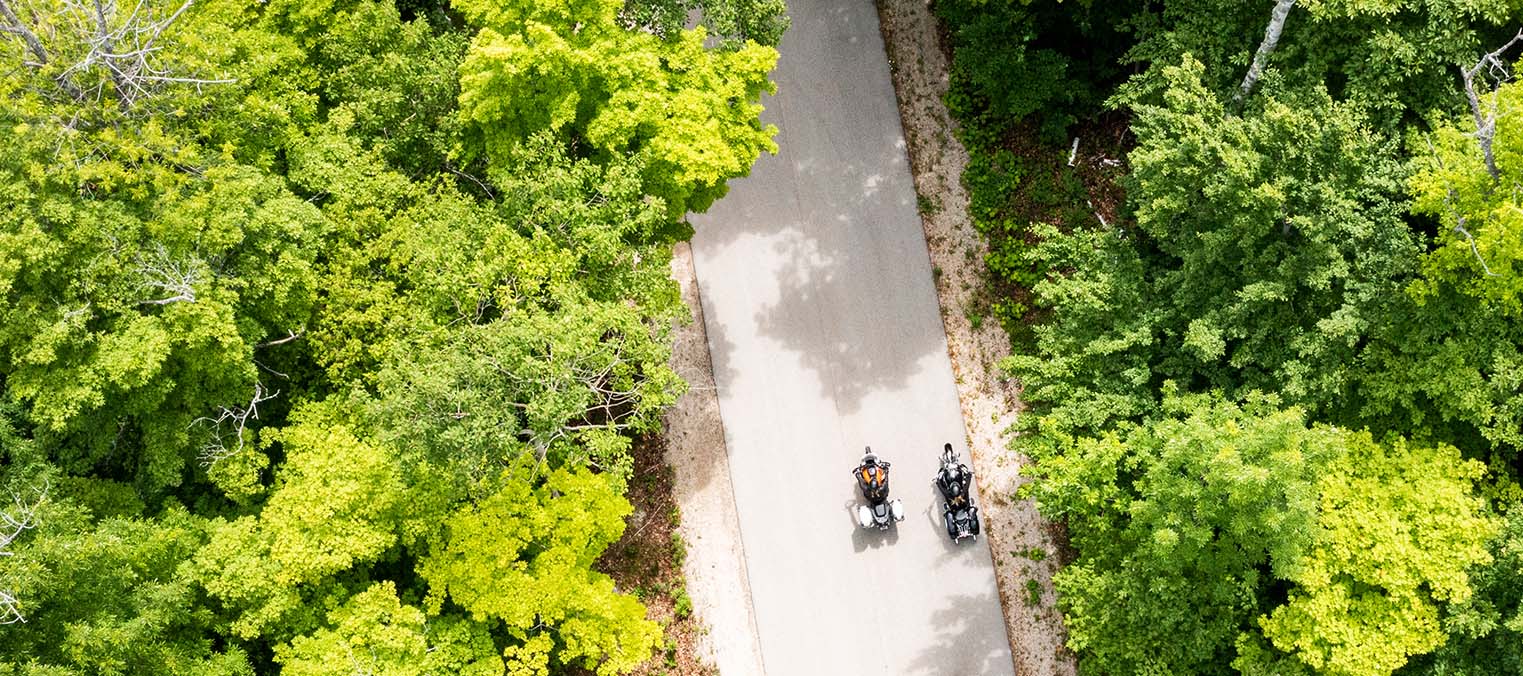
pixel 955 481
pixel 872 479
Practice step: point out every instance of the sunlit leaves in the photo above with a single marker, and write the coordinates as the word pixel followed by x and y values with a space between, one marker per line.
pixel 687 112
pixel 521 556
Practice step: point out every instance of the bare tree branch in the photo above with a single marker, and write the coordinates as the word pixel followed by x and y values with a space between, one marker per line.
pixel 1460 228
pixel 119 45
pixel 1271 40
pixel 1459 220
pixel 293 335
pixel 218 449
pixel 1486 122
pixel 167 276
pixel 158 28
pixel 20 517
pixel 15 26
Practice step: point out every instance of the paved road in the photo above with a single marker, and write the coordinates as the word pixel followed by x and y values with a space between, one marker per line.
pixel 823 328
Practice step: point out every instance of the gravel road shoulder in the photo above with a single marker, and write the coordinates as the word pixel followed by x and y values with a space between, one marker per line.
pixel 1025 546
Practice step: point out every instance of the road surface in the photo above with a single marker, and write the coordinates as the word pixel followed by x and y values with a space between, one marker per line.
pixel 825 336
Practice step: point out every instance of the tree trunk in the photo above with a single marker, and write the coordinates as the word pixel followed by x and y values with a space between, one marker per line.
pixel 17 27
pixel 1486 120
pixel 1271 40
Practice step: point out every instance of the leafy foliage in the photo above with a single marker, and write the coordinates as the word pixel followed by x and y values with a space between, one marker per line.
pixel 309 329
pixel 1334 239
pixel 522 557
pixel 688 113
pixel 1189 526
pixel 1047 62
pixel 1266 251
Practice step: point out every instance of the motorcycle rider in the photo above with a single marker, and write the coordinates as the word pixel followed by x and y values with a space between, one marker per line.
pixel 955 478
pixel 956 483
pixel 872 477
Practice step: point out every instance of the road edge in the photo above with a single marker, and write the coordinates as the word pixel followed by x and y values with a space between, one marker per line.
pixel 717 581
pixel 990 402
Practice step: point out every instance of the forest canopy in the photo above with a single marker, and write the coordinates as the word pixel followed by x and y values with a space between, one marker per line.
pixel 1260 267
pixel 327 326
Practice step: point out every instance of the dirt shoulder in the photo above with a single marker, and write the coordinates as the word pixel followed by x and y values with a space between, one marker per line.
pixel 1025 546
pixel 715 565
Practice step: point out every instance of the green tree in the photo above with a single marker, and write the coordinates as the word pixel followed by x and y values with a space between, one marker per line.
pixel 1186 526
pixel 375 633
pixel 1391 58
pixel 1480 250
pixel 522 556
pixel 688 113
pixel 335 506
pixel 733 21
pixel 1486 630
pixel 290 337
pixel 1398 520
pixel 1268 249
pixel 101 592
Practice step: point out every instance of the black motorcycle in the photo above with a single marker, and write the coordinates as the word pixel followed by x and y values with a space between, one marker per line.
pixel 955 481
pixel 872 478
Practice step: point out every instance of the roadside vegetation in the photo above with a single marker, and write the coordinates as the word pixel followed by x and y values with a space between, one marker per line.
pixel 327 328
pixel 1260 264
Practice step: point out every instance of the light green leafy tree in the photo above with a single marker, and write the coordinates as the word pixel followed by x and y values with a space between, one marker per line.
pixel 522 556
pixel 1480 250
pixel 688 113
pixel 375 633
pixel 1398 528
pixel 1486 630
pixel 335 506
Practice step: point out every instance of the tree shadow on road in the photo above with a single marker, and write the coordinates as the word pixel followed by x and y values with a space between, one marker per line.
pixel 827 230
pixel 960 647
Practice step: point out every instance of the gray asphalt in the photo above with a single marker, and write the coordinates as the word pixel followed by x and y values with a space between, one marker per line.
pixel 824 330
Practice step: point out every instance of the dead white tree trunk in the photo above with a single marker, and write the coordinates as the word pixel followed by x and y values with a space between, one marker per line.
pixel 20 517
pixel 1271 40
pixel 1486 121
pixel 15 26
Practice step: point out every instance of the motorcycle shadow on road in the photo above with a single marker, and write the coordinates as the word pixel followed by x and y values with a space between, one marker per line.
pixel 863 539
pixel 950 548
